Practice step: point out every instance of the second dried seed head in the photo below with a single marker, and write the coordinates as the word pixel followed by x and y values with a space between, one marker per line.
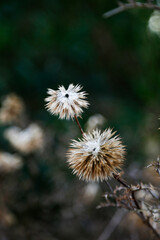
pixel 96 156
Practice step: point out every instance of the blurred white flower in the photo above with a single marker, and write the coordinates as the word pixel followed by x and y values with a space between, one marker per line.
pixel 12 109
pixel 95 121
pixel 154 22
pixel 27 140
pixel 66 102
pixel 9 162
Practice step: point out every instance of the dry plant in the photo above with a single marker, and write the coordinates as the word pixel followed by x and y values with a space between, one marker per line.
pixel 9 162
pixel 12 109
pixel 24 137
pixel 99 156
pixel 26 140
pixel 132 4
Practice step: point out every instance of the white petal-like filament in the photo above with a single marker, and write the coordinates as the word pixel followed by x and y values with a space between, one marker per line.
pixel 66 102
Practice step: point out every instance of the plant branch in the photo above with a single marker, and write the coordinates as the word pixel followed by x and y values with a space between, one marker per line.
pixel 130 5
pixel 81 130
pixel 120 180
pixel 140 213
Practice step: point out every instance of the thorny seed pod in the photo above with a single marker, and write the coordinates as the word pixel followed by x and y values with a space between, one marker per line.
pixel 96 156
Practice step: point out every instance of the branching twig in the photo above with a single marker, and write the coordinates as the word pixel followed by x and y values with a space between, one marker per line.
pixel 120 180
pixel 137 207
pixel 130 5
pixel 121 202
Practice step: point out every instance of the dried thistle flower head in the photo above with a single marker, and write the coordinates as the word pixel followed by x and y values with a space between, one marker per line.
pixel 12 109
pixel 66 102
pixel 27 140
pixel 9 162
pixel 96 156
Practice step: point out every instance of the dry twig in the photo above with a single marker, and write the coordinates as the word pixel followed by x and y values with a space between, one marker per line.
pixel 131 5
pixel 124 197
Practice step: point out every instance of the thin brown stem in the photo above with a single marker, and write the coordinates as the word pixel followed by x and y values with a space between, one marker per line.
pixel 135 200
pixel 120 180
pixel 81 130
pixel 130 5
